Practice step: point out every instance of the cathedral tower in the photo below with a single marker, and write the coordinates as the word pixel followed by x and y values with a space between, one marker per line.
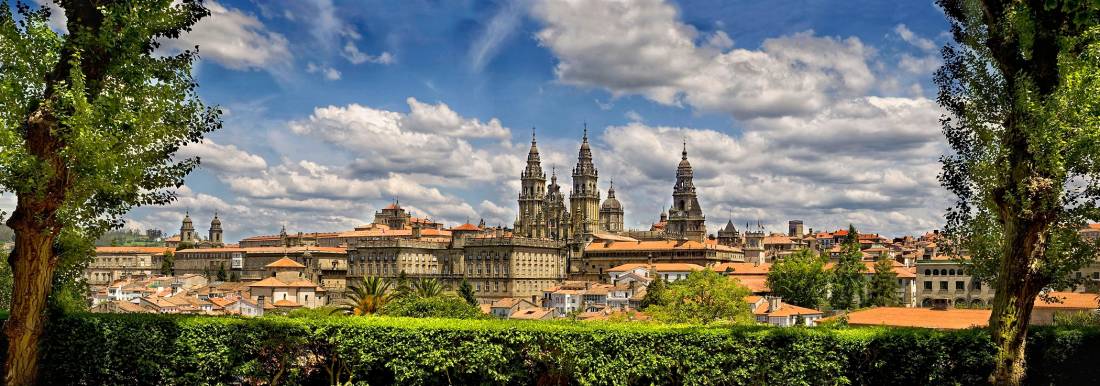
pixel 187 230
pixel 215 230
pixel 685 218
pixel 557 214
pixel 531 221
pixel 584 200
pixel 611 212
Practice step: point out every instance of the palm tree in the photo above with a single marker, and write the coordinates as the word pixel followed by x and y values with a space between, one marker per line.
pixel 366 298
pixel 427 288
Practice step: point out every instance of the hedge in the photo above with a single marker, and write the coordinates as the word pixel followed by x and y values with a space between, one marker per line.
pixel 105 349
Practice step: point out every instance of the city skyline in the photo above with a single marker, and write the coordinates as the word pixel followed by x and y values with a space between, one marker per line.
pixel 333 111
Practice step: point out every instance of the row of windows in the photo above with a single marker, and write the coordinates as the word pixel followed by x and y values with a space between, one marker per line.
pixel 960 285
pixel 947 272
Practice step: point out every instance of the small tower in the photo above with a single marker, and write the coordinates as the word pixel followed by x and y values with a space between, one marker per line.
pixel 187 230
pixel 283 238
pixel 729 235
pixel 611 212
pixel 531 195
pixel 584 200
pixel 215 234
pixel 685 218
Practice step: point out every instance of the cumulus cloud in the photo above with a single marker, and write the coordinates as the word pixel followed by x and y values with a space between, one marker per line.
pixel 328 72
pixel 234 39
pixel 642 47
pixel 226 158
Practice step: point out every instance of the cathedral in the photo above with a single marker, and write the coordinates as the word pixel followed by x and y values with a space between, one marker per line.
pixel 543 212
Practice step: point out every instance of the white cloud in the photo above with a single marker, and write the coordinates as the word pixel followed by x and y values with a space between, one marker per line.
pixel 353 55
pixel 500 27
pixel 234 39
pixel 909 37
pixel 641 47
pixel 226 158
pixel 328 72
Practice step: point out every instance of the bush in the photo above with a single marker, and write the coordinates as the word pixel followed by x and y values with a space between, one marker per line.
pixel 104 349
pixel 432 307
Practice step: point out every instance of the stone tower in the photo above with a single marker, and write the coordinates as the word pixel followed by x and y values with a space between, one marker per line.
pixel 557 214
pixel 754 244
pixel 685 218
pixel 611 212
pixel 215 235
pixel 729 235
pixel 531 221
pixel 584 200
pixel 187 230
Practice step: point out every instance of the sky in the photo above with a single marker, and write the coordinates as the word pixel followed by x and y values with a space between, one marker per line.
pixel 822 111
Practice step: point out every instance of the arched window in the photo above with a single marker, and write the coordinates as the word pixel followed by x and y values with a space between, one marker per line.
pixel 927 272
pixel 935 272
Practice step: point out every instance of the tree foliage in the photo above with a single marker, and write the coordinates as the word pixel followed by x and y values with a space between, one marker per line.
pixel 440 306
pixel 1021 90
pixel 882 290
pixel 168 264
pixel 364 298
pixel 847 275
pixel 466 291
pixel 702 297
pixel 800 279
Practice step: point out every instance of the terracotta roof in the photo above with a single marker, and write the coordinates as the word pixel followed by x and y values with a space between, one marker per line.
pixel 659 267
pixel 221 302
pixel 393 206
pixel 656 245
pixel 777 239
pixel 744 268
pixel 949 319
pixel 131 250
pixel 276 283
pixel 466 227
pixel 531 313
pixel 1070 300
pixel 390 233
pixel 608 236
pixel 755 284
pixel 784 310
pixel 285 262
pixel 286 303
pixel 270 250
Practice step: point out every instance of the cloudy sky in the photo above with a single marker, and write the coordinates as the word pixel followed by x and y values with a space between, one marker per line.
pixel 817 110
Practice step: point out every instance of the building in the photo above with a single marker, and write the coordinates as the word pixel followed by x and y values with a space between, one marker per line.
pixel 685 217
pixel 772 310
pixel 287 287
pixel 944 282
pixel 941 319
pixel 497 267
pixel 669 272
pixel 1047 312
pixel 324 265
pixel 504 308
pixel 113 263
pixel 532 221
pixel 191 239
pixel 609 252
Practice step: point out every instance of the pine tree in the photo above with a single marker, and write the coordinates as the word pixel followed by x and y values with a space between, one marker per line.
pixel 654 293
pixel 222 275
pixel 167 264
pixel 883 288
pixel 800 279
pixel 467 292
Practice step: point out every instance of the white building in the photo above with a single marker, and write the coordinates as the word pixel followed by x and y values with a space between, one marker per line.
pixel 670 272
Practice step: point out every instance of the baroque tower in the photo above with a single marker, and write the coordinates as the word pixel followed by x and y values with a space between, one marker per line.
pixel 611 212
pixel 584 200
pixel 187 230
pixel 532 217
pixel 685 218
pixel 215 235
pixel 557 214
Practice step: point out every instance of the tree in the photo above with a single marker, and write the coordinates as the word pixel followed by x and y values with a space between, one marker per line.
pixel 883 288
pixel 800 279
pixel 703 297
pixel 5 285
pixel 365 298
pixel 168 264
pixel 1020 90
pixel 222 275
pixel 466 291
pixel 401 285
pixel 654 293
pixel 426 287
pixel 432 307
pixel 234 276
pixel 90 121
pixel 847 274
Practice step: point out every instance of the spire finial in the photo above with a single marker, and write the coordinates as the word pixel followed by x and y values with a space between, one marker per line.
pixel 585 130
pixel 532 136
pixel 685 153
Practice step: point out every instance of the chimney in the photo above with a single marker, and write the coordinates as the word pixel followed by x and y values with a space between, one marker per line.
pixel 774 303
pixel 416 231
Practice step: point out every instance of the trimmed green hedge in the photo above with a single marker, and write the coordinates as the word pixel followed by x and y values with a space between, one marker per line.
pixel 100 349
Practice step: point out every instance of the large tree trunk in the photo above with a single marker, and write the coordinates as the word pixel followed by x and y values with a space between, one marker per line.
pixel 1016 289
pixel 32 262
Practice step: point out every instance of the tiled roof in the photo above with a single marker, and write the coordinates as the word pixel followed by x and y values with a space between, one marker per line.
pixel 286 303
pixel 755 284
pixel 276 283
pixel 270 250
pixel 949 319
pixel 285 262
pixel 657 245
pixel 608 236
pixel 777 239
pixel 382 232
pixel 659 267
pixel 531 313
pixel 131 250
pixel 744 268
pixel 466 227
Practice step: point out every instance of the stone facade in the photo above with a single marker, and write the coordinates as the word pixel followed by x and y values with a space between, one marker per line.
pixel 115 263
pixel 685 218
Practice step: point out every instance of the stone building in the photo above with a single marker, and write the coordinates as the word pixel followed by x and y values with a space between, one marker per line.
pixel 497 267
pixel 602 255
pixel 584 200
pixel 326 266
pixel 190 238
pixel 532 221
pixel 114 263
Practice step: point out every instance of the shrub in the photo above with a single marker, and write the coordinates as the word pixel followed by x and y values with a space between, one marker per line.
pixel 432 307
pixel 101 349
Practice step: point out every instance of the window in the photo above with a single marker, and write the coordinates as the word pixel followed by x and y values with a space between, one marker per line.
pixel 927 285
pixel 928 272
pixel 959 285
pixel 943 285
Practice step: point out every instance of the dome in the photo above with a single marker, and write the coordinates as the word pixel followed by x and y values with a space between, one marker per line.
pixel 611 203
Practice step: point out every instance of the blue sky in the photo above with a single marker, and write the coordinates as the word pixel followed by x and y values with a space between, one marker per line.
pixel 817 110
